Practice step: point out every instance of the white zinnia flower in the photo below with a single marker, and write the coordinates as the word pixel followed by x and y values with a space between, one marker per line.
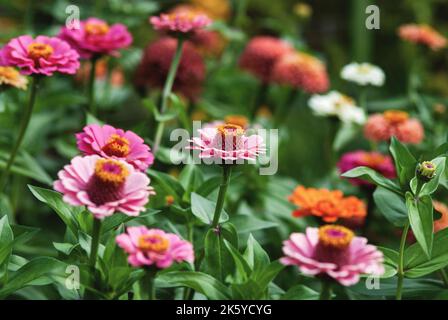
pixel 363 74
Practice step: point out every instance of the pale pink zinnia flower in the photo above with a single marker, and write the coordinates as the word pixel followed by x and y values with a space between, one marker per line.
pixel 227 142
pixel 42 55
pixel 95 37
pixel 422 34
pixel 381 163
pixel 381 127
pixel 148 247
pixel 105 186
pixel 180 22
pixel 333 251
pixel 109 142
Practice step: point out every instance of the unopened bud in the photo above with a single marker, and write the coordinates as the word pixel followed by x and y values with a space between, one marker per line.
pixel 426 171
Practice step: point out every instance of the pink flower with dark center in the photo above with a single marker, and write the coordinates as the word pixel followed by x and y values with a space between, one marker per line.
pixel 147 247
pixel 227 142
pixel 105 186
pixel 42 55
pixel 383 164
pixel 109 142
pixel 96 37
pixel 332 251
pixel 180 22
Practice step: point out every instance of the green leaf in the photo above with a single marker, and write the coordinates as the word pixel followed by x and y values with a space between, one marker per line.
pixel 247 223
pixel 300 292
pixel 421 219
pixel 243 270
pixel 255 255
pixel 371 175
pixel 213 250
pixel 416 263
pixel 346 133
pixel 204 209
pixel 151 106
pixel 65 248
pixel 201 282
pixel 6 239
pixel 91 119
pixel 117 219
pixel 390 262
pixel 180 108
pixel 54 200
pixel 391 205
pixel 168 184
pixel 405 162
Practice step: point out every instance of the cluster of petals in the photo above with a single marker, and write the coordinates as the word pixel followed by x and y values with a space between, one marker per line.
pixel 422 34
pixel 95 37
pixel 154 247
pixel 9 76
pixel 40 56
pixel 302 71
pixel 109 142
pixel 442 222
pixel 182 21
pixel 381 163
pixel 215 9
pixel 363 74
pixel 329 205
pixel 333 251
pixel 381 127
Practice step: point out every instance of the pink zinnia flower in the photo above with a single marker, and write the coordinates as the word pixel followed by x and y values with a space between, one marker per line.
pixel 182 21
pixel 381 127
pixel 333 251
pixel 96 37
pixel 147 247
pixel 43 55
pixel 260 55
pixel 227 142
pixel 109 142
pixel 383 164
pixel 105 186
pixel 422 34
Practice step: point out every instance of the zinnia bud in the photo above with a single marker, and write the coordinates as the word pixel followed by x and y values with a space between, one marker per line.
pixel 426 171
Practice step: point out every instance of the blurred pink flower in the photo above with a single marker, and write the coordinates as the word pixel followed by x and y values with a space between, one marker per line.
pixel 42 55
pixel 383 164
pixel 381 127
pixel 183 22
pixel 260 55
pixel 105 186
pixel 227 142
pixel 96 37
pixel 109 142
pixel 422 34
pixel 333 251
pixel 147 247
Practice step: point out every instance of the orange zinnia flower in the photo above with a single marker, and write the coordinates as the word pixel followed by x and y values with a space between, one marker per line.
pixel 327 204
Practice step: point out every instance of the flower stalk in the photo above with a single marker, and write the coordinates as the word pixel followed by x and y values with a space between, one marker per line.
pixel 226 172
pixel 400 270
pixel 96 232
pixel 147 287
pixel 325 293
pixel 91 87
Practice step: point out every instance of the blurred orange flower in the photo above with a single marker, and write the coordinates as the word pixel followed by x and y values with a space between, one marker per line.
pixel 422 34
pixel 441 223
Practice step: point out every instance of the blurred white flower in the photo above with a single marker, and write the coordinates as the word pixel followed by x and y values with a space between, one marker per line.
pixel 363 74
pixel 337 104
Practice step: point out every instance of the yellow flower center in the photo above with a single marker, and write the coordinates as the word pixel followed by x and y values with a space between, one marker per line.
pixel 335 236
pixel 111 171
pixel 153 242
pixel 9 73
pixel 96 28
pixel 230 130
pixel 37 50
pixel 117 146
pixel 237 120
pixel 395 116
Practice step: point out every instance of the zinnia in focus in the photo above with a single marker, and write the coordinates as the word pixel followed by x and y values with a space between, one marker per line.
pixel 105 186
pixel 42 55
pixel 381 127
pixel 9 76
pixel 383 164
pixel 333 251
pixel 109 142
pixel 95 37
pixel 147 247
pixel 422 34
pixel 327 204
pixel 363 74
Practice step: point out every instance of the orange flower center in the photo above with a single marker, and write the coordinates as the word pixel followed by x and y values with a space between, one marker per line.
pixel 237 120
pixel 395 116
pixel 117 146
pixel 230 130
pixel 37 50
pixel 185 15
pixel 9 73
pixel 335 236
pixel 153 242
pixel 96 28
pixel 373 160
pixel 111 172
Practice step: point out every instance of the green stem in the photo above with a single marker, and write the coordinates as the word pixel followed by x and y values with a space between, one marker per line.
pixel 226 171
pixel 363 99
pixel 325 293
pixel 91 87
pixel 95 242
pixel 23 127
pixel 147 287
pixel 167 91
pixel 400 271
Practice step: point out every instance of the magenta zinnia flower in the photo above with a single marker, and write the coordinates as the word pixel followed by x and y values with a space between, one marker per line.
pixel 109 142
pixel 227 142
pixel 96 37
pixel 43 55
pixel 183 22
pixel 105 186
pixel 333 251
pixel 383 164
pixel 147 247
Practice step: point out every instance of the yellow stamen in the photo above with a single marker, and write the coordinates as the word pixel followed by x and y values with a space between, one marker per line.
pixel 230 130
pixel 37 50
pixel 153 242
pixel 111 171
pixel 117 146
pixel 396 116
pixel 335 236
pixel 238 120
pixel 96 28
